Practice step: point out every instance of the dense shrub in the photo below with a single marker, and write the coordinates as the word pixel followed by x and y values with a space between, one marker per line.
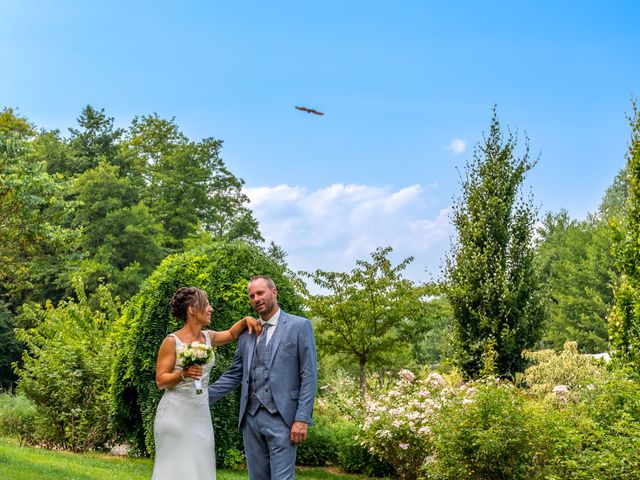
pixel 354 457
pixel 65 372
pixel 490 429
pixel 485 436
pixel 612 442
pixel 320 448
pixel 222 270
pixel 17 417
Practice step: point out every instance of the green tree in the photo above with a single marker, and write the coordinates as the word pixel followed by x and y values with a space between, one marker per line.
pixel 222 270
pixel 96 140
pixel 624 320
pixel 577 271
pixel 367 312
pixel 122 241
pixel 32 212
pixel 190 188
pixel 492 283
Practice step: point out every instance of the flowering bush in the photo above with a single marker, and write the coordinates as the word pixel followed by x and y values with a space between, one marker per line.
pixel 398 423
pixel 562 375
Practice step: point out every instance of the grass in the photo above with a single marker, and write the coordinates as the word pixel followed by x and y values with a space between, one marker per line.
pixel 27 463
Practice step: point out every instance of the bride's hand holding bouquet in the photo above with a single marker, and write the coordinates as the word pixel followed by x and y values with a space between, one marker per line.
pixel 194 354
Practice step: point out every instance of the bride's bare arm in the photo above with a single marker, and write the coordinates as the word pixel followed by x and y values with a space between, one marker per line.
pixel 165 376
pixel 227 336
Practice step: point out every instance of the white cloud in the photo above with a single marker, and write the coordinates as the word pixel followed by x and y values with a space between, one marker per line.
pixel 332 227
pixel 457 146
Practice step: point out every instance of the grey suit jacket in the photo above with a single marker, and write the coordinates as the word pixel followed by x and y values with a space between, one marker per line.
pixel 293 372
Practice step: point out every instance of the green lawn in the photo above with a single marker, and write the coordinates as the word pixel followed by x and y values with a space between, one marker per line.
pixel 27 463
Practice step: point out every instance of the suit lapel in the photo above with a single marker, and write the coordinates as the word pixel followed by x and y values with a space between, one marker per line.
pixel 277 335
pixel 252 349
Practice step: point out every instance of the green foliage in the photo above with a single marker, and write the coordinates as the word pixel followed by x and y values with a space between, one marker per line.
pixel 192 179
pixel 32 209
pixel 493 285
pixel 65 369
pixel 234 459
pixel 320 448
pixel 353 457
pixel 107 204
pixel 568 368
pixel 222 270
pixel 578 272
pixel 10 350
pixel 367 312
pixel 433 345
pixel 624 320
pixel 17 417
pixel 487 437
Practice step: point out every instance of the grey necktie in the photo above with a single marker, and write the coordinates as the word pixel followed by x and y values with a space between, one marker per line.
pixel 261 346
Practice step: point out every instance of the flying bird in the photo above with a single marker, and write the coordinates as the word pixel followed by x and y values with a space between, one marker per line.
pixel 309 110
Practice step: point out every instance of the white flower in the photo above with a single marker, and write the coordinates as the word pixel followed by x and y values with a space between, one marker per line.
pixel 561 389
pixel 407 375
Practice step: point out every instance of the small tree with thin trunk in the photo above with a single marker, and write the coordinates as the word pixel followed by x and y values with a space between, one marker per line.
pixel 366 311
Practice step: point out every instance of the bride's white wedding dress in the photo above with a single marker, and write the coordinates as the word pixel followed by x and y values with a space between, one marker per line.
pixel 183 431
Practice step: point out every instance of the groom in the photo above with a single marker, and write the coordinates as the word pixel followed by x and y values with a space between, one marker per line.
pixel 278 372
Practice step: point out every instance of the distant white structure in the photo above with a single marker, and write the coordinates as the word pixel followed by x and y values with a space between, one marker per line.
pixel 600 356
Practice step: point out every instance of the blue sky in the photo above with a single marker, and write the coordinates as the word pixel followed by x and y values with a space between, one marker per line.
pixel 407 88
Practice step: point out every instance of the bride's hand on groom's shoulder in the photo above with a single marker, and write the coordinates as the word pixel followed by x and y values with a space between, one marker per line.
pixel 253 325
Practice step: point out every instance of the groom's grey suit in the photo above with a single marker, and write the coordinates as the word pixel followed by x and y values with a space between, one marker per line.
pixel 277 389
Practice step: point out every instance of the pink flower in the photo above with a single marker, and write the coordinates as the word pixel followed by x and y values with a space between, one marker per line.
pixel 407 375
pixel 404 446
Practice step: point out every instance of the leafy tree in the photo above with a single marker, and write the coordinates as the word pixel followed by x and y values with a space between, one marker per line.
pixel 624 320
pixel 432 345
pixel 96 140
pixel 614 201
pixel 367 311
pixel 221 269
pixel 577 269
pixel 122 242
pixel 492 283
pixel 189 186
pixel 32 210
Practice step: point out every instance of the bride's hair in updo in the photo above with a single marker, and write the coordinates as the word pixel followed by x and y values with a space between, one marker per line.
pixel 185 297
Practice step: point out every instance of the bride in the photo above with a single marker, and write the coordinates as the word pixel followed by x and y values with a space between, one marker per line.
pixel 182 427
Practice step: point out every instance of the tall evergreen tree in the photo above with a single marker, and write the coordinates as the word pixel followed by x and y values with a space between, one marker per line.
pixel 492 282
pixel 624 320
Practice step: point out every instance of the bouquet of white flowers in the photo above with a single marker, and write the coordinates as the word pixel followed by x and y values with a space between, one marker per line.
pixel 194 353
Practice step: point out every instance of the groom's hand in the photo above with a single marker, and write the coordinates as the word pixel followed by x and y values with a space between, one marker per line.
pixel 298 432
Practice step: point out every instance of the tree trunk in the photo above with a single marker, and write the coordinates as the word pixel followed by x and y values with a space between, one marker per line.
pixel 363 363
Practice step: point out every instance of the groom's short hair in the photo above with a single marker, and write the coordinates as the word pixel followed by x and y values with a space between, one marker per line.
pixel 266 278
